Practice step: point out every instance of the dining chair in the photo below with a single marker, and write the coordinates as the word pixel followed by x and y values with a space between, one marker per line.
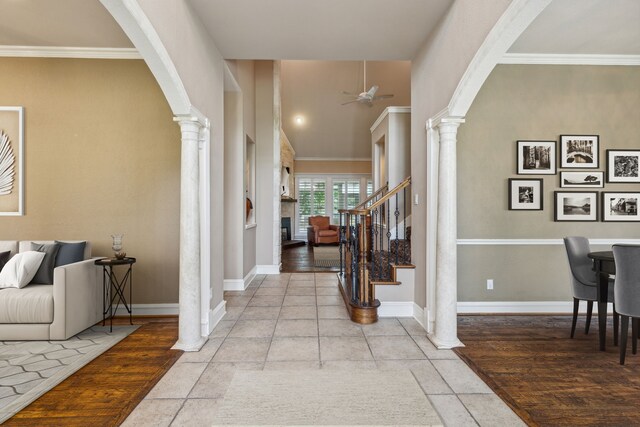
pixel 627 293
pixel 584 282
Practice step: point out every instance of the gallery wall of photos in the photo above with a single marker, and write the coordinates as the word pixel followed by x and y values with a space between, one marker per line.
pixel 575 198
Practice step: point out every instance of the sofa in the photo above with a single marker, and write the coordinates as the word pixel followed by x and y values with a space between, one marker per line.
pixel 321 231
pixel 71 304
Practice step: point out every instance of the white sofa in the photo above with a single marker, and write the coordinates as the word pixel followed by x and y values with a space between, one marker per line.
pixel 51 312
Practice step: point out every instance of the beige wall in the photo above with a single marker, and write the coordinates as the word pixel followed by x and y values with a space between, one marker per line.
pixel 333 167
pixel 436 71
pixel 535 102
pixel 102 155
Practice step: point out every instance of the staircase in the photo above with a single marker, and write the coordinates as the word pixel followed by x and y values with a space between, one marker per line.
pixel 375 243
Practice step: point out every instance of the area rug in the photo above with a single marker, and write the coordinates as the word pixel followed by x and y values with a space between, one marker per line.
pixel 28 369
pixel 325 398
pixel 326 256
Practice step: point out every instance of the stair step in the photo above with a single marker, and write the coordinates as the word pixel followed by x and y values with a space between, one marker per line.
pixel 403 266
pixel 380 282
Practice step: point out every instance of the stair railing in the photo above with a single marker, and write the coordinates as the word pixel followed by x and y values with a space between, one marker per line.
pixel 374 237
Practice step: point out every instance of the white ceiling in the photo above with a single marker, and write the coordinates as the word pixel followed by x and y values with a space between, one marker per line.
pixel 60 23
pixel 320 30
pixel 605 27
pixel 314 89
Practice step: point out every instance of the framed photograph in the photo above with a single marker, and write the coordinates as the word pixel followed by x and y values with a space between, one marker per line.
pixel 525 194
pixel 622 165
pixel 536 157
pixel 579 151
pixel 575 206
pixel 11 161
pixel 592 179
pixel 621 207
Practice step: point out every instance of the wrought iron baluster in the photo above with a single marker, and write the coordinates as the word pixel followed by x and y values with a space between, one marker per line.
pixel 354 262
pixel 388 225
pixel 341 240
pixel 404 216
pixel 396 213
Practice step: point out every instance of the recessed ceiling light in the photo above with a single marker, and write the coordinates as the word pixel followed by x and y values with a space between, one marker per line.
pixel 299 120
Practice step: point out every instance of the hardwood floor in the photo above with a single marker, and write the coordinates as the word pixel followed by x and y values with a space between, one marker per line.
pixel 105 391
pixel 548 378
pixel 300 260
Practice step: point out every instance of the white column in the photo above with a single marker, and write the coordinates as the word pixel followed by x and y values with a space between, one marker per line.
pixel 189 334
pixel 446 328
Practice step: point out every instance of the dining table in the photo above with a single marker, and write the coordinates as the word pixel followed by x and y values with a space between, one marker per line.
pixel 604 266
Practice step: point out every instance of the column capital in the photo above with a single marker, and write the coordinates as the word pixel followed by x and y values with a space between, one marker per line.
pixel 438 122
pixel 194 116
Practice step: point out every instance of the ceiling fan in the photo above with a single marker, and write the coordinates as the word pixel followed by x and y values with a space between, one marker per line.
pixel 366 96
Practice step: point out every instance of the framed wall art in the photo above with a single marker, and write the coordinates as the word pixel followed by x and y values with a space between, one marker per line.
pixel 591 179
pixel 11 161
pixel 622 166
pixel 525 194
pixel 579 151
pixel 536 157
pixel 622 207
pixel 575 206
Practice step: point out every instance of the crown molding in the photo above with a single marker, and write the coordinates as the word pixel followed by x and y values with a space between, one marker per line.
pixel 69 52
pixel 385 113
pixel 568 59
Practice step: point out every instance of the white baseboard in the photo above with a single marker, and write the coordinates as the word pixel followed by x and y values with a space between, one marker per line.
pixel 216 315
pixel 233 285
pixel 420 315
pixel 250 276
pixel 395 309
pixel 559 307
pixel 150 310
pixel 267 269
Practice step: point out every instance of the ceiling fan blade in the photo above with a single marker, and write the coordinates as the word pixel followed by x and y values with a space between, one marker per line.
pixel 349 102
pixel 344 92
pixel 372 92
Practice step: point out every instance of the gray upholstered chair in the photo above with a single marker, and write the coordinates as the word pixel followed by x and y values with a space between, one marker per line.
pixel 627 293
pixel 583 282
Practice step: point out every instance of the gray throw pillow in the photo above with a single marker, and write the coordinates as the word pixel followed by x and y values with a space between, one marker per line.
pixel 70 253
pixel 4 257
pixel 44 275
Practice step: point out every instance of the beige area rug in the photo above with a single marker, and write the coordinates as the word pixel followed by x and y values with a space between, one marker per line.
pixel 326 256
pixel 28 369
pixel 325 398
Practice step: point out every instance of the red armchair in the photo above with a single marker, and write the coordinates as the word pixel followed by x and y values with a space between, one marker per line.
pixel 321 231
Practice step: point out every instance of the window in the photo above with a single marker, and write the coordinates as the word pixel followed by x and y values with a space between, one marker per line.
pixel 325 194
pixel 311 201
pixel 346 195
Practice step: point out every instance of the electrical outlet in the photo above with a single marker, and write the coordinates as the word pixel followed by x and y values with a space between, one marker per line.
pixel 490 284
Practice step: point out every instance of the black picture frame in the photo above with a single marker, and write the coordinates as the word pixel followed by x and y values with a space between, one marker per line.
pixel 575 206
pixel 581 179
pixel 536 157
pixel 623 166
pixel 579 151
pixel 526 194
pixel 620 206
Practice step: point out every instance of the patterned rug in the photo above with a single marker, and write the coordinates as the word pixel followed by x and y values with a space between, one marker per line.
pixel 326 256
pixel 28 369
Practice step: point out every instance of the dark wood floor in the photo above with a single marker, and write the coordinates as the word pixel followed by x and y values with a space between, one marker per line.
pixel 548 378
pixel 105 391
pixel 300 260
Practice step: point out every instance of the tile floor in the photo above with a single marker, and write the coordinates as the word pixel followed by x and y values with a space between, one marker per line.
pixel 297 321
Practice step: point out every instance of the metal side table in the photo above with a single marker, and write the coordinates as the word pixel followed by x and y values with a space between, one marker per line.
pixel 113 288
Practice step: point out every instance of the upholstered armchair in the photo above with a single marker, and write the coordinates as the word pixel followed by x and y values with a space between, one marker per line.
pixel 321 231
